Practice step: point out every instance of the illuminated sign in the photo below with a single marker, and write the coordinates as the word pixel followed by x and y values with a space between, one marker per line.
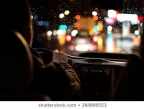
pixel 86 23
pixel 127 17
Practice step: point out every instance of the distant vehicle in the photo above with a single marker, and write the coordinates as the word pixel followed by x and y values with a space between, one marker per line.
pixel 82 42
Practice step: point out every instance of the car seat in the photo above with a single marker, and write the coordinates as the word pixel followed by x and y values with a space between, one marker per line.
pixel 16 68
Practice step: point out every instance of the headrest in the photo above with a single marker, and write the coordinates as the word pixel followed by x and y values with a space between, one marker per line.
pixel 16 64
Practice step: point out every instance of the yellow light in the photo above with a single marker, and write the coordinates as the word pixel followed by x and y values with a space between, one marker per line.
pixel 91 32
pixel 139 37
pixel 100 25
pixel 100 43
pixel 62 39
pixel 67 12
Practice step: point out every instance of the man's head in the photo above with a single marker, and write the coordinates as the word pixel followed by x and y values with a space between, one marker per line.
pixel 16 15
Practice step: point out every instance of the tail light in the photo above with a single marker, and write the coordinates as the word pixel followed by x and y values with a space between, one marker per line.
pixel 68 38
pixel 94 39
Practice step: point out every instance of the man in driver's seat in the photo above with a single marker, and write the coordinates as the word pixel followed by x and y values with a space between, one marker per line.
pixel 57 79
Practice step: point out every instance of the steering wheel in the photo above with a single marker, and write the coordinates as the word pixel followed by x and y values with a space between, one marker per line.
pixel 47 55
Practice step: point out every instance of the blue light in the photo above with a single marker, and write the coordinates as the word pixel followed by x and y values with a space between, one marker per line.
pixel 96 27
pixel 63 27
pixel 47 24
pixel 41 23
pixel 70 27
pixel 35 17
pixel 109 34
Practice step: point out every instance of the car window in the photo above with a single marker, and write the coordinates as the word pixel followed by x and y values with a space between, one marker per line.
pixel 74 27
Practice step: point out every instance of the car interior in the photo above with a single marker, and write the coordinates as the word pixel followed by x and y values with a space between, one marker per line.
pixel 99 72
pixel 16 69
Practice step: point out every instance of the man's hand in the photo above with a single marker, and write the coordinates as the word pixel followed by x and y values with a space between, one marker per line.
pixel 59 57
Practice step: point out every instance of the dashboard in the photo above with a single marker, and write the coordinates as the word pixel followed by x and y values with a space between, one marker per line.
pixel 99 75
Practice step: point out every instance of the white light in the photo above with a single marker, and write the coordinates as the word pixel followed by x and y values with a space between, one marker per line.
pixel 112 14
pixel 127 17
pixel 67 12
pixel 84 47
pixel 109 20
pixel 95 38
pixel 74 32
pixel 54 32
pixel 94 13
pixel 109 28
pixel 109 44
pixel 61 15
pixel 49 33
pixel 97 31
pixel 135 22
pixel 141 24
pixel 81 41
pixel 61 32
pixel 136 32
pixel 31 17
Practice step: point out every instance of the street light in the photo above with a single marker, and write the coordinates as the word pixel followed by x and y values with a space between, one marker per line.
pixel 94 13
pixel 67 12
pixel 61 15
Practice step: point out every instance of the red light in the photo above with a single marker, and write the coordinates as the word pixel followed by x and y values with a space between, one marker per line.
pixel 77 17
pixel 117 12
pixel 72 47
pixel 68 38
pixel 95 17
pixel 140 18
pixel 95 39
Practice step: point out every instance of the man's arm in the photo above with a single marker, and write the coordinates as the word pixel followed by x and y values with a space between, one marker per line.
pixel 57 80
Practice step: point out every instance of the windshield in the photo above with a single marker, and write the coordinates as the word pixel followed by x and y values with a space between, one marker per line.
pixel 74 27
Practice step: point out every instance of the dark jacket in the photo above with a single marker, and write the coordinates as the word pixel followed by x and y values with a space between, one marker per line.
pixel 57 80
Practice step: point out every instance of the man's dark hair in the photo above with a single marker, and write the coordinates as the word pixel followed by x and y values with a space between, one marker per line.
pixel 15 14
